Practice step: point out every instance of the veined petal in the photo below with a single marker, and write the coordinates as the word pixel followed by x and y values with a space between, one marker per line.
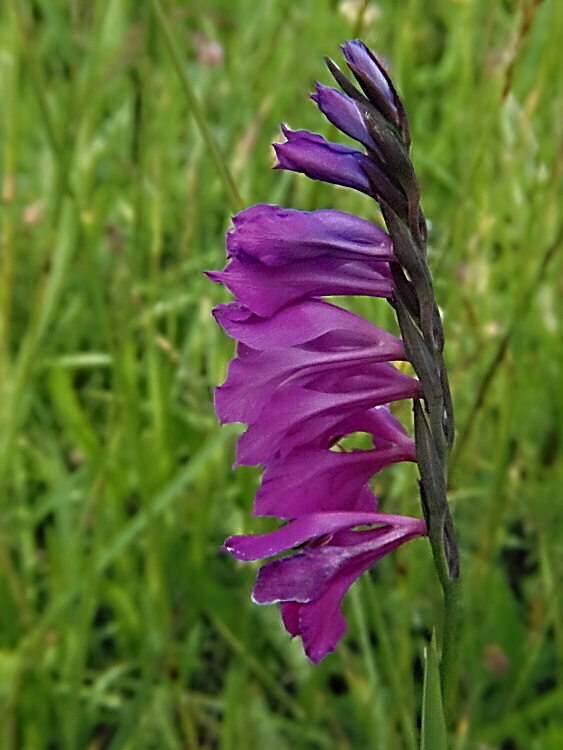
pixel 319 159
pixel 264 289
pixel 317 526
pixel 255 375
pixel 311 584
pixel 314 480
pixel 310 324
pixel 320 624
pixel 276 236
pixel 370 421
pixel 299 416
pixel 253 378
pixel 384 428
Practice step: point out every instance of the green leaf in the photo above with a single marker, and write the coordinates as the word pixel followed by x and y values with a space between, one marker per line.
pixel 433 732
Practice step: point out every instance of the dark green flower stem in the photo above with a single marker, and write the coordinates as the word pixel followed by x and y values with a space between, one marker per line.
pixel 451 629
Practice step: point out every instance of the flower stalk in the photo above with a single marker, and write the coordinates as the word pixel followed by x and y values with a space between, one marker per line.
pixel 421 330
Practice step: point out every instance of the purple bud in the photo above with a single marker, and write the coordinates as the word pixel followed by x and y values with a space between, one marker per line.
pixel 312 155
pixel 362 59
pixel 344 113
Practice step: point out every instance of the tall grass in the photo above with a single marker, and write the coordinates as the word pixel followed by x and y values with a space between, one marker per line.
pixel 122 625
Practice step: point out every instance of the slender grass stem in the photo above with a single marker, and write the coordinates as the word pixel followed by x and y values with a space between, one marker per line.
pixel 389 663
pixel 218 158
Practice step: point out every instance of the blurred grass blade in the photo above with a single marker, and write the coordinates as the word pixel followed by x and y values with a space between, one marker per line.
pixel 219 160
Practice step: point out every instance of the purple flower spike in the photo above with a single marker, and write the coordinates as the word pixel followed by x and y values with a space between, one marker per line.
pixel 312 381
pixel 319 159
pixel 311 583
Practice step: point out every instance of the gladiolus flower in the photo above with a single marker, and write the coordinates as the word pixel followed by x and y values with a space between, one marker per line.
pixel 311 583
pixel 308 373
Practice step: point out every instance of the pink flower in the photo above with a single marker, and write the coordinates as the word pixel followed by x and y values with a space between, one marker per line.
pixel 311 583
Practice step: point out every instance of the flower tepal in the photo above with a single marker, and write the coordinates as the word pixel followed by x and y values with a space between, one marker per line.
pixel 308 373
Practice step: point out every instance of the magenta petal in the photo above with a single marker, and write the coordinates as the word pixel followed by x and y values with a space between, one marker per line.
pixel 312 324
pixel 319 159
pixel 383 426
pixel 297 416
pixel 316 480
pixel 264 289
pixel 258 546
pixel 304 339
pixel 253 376
pixel 298 531
pixel 321 623
pixel 317 577
pixel 290 617
pixel 276 236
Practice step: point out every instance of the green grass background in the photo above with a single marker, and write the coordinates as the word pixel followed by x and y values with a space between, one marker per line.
pixel 122 625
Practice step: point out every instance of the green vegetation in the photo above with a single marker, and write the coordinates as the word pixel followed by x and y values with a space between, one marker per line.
pixel 122 625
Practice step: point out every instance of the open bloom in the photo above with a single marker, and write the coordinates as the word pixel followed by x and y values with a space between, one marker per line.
pixel 311 583
pixel 313 479
pixel 308 373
